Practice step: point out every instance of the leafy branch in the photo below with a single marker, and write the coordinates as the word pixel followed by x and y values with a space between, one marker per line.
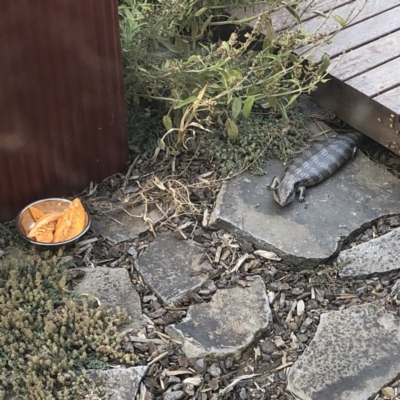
pixel 173 54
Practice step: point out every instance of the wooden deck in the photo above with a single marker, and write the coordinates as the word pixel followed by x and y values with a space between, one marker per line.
pixel 364 85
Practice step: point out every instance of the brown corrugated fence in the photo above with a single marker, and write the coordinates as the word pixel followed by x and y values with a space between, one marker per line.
pixel 62 112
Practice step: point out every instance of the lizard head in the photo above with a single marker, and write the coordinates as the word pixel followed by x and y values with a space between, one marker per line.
pixel 284 194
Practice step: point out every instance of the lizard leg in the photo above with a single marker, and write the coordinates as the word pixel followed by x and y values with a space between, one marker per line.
pixel 353 155
pixel 302 194
pixel 274 184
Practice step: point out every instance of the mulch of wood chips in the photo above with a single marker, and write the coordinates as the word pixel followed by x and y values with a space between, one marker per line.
pixel 184 189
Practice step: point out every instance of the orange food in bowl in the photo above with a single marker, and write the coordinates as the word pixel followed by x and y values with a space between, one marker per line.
pixel 58 227
pixel 71 223
pixel 44 227
pixel 36 213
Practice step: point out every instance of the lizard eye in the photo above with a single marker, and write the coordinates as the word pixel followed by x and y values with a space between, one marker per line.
pixel 292 196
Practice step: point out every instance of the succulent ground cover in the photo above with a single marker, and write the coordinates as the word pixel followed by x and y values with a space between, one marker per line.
pixel 49 335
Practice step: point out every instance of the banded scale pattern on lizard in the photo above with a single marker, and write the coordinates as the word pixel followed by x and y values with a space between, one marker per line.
pixel 313 165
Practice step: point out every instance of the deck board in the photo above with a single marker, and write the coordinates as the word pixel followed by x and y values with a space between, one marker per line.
pixel 282 18
pixel 364 86
pixel 364 76
pixel 361 33
pixel 361 12
pixel 364 58
pixel 378 80
pixel 390 99
pixel 370 117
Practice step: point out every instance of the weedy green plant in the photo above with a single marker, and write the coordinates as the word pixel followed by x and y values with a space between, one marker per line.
pixel 49 335
pixel 262 135
pixel 169 56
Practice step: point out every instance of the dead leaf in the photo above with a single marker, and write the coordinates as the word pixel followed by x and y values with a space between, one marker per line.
pixel 388 392
pixel 239 262
pixel 300 308
pixel 178 372
pixel 269 255
pixel 195 380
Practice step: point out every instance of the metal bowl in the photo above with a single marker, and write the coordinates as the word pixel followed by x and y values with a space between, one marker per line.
pixel 24 220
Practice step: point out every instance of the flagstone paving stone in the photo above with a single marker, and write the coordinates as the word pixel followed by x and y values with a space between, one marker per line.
pixel 375 256
pixel 121 383
pixel 354 354
pixel 228 324
pixel 118 226
pixel 172 267
pixel 113 287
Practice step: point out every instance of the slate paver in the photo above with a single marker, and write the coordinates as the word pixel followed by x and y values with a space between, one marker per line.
pixel 172 267
pixel 113 287
pixel 118 226
pixel 354 354
pixel 227 324
pixel 375 256
pixel 307 233
pixel 121 383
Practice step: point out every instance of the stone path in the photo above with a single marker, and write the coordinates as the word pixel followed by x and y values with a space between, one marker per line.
pixel 223 326
pixel 171 267
pixel 128 225
pixel 354 353
pixel 307 233
pixel 113 288
pixel 378 255
pixel 120 383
